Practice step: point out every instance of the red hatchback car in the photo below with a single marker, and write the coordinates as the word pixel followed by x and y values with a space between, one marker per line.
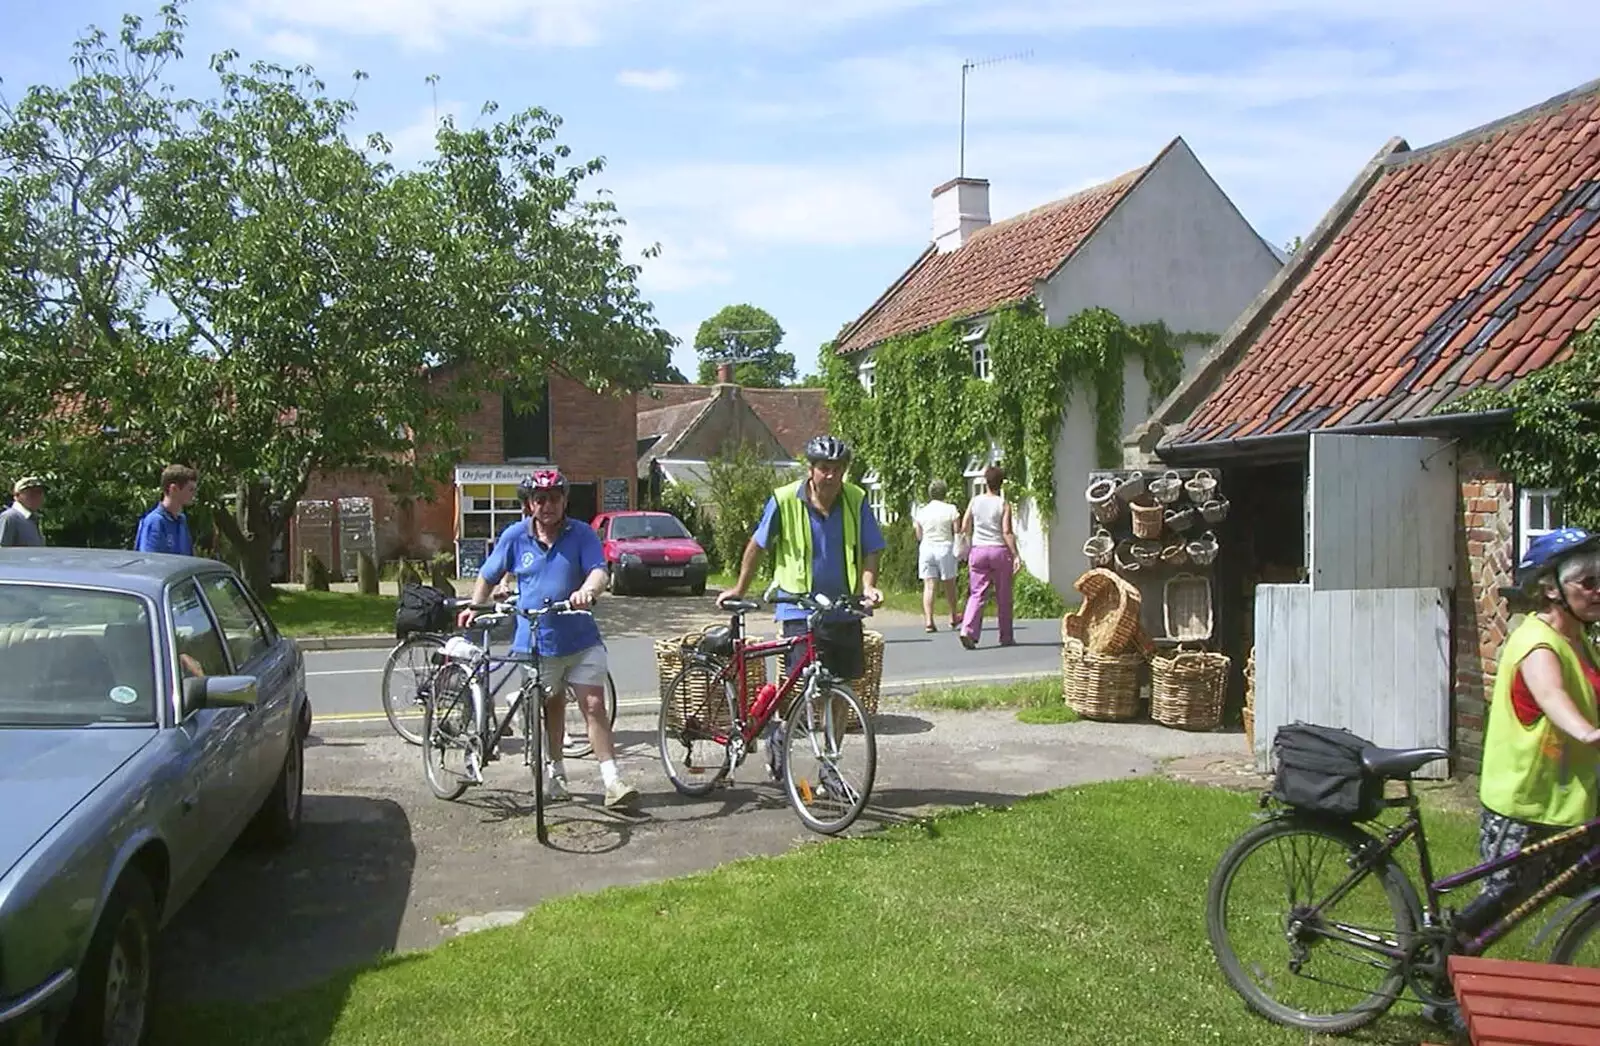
pixel 650 550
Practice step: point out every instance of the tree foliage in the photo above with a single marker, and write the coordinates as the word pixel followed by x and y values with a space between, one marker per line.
pixel 751 334
pixel 232 283
pixel 929 415
pixel 740 483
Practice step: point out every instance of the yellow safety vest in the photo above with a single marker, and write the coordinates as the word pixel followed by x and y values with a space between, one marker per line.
pixel 792 569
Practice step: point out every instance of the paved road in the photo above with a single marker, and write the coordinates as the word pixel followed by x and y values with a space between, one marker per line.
pixel 344 684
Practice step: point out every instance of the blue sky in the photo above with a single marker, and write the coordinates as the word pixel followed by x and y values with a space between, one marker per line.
pixel 782 152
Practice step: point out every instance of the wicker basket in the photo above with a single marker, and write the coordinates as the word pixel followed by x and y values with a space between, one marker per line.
pixel 1186 607
pixel 1167 489
pixel 1146 518
pixel 1131 487
pixel 1187 688
pixel 1180 519
pixel 1108 619
pixel 867 684
pixel 1200 486
pixel 1099 547
pixel 1215 510
pixel 709 709
pixel 1174 553
pixel 1203 549
pixel 1250 701
pixel 1099 686
pixel 1102 498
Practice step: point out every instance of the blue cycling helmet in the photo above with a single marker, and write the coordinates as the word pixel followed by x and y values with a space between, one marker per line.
pixel 1546 550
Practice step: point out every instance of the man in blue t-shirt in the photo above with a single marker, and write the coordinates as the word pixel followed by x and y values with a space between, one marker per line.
pixel 555 558
pixel 165 528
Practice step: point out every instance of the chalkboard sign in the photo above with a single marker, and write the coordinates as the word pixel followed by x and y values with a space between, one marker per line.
pixel 615 496
pixel 470 554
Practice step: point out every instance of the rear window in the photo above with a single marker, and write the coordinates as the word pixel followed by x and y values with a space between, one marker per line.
pixel 633 527
pixel 74 657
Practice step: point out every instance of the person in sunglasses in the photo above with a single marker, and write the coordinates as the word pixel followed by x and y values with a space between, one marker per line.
pixel 1541 743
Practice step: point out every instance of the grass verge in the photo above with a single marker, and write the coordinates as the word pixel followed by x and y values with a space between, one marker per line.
pixel 301 613
pixel 1036 700
pixel 1074 917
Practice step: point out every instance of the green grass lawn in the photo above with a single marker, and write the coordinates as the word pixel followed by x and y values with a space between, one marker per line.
pixel 301 613
pixel 1075 917
pixel 1036 700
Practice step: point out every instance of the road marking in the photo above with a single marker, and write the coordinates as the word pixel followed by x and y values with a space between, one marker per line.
pixel 345 672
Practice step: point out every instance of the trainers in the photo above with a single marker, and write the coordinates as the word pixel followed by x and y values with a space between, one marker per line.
pixel 555 789
pixel 619 792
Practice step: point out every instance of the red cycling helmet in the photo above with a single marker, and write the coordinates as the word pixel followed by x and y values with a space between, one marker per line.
pixel 543 479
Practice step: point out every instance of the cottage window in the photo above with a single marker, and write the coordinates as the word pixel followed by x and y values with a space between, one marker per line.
pixel 980 361
pixel 1539 511
pixel 525 434
pixel 876 499
pixel 867 373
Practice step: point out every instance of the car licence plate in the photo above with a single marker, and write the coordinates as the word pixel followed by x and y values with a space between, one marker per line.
pixel 666 572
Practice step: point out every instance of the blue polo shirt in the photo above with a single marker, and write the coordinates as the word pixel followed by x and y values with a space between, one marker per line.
pixel 552 573
pixel 161 531
pixel 827 547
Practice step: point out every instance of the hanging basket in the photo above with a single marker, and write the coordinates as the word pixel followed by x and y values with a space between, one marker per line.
pixel 1186 607
pixel 1107 622
pixel 1123 559
pixel 1146 518
pixel 1200 486
pixel 1203 549
pixel 1187 688
pixel 1099 686
pixel 1100 547
pixel 1174 553
pixel 1145 553
pixel 1131 487
pixel 1179 520
pixel 1215 510
pixel 1102 498
pixel 699 701
pixel 1167 489
pixel 1250 701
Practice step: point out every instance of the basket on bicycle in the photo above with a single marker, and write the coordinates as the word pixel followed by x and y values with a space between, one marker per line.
pixel 871 678
pixel 1187 688
pixel 693 699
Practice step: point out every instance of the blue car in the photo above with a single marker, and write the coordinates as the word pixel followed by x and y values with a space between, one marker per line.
pixel 150 715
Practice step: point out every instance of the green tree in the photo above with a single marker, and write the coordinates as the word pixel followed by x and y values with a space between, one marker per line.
pixel 753 336
pixel 739 483
pixel 232 283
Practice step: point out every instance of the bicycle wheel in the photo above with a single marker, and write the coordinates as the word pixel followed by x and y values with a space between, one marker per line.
pixel 1579 943
pixel 695 728
pixel 405 677
pixel 827 766
pixel 447 731
pixel 1298 957
pixel 534 741
pixel 575 741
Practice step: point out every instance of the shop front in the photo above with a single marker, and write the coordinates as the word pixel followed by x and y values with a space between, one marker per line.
pixel 486 503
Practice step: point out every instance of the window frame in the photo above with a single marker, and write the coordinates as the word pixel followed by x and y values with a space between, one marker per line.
pixel 170 612
pixel 262 628
pixel 508 412
pixel 1551 498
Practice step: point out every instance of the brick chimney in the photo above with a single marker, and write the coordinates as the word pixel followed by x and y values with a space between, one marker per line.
pixel 960 208
pixel 724 374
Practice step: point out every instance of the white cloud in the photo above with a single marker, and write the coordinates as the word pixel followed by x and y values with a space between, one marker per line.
pixel 684 264
pixel 430 24
pixel 650 79
pixel 415 142
pixel 297 47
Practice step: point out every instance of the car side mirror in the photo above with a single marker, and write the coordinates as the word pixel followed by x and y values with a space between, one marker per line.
pixel 218 692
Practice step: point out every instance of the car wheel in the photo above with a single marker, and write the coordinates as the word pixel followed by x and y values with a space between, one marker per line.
pixel 112 1006
pixel 278 821
pixel 699 588
pixel 619 587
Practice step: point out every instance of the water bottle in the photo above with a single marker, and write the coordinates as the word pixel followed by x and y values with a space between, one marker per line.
pixel 764 698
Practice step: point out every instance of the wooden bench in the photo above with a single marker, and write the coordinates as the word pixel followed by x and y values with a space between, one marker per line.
pixel 1507 1003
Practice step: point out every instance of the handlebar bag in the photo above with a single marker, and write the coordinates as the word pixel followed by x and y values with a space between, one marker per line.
pixel 841 645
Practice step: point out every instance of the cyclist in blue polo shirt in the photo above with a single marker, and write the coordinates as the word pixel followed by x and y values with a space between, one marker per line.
pixel 165 528
pixel 556 558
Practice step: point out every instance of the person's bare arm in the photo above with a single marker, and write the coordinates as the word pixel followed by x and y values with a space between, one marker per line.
pixel 869 578
pixel 1541 670
pixel 747 572
pixel 482 592
pixel 590 590
pixel 1010 536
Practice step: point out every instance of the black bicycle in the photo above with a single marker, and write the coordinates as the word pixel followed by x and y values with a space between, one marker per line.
pixel 458 718
pixel 1315 921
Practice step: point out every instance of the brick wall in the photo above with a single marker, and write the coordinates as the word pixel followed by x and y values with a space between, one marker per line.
pixel 1481 619
pixel 592 439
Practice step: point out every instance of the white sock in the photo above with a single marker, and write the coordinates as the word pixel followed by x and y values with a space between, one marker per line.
pixel 558 768
pixel 608 772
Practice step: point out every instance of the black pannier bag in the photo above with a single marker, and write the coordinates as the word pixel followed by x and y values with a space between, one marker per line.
pixel 422 609
pixel 1319 771
pixel 841 646
pixel 717 641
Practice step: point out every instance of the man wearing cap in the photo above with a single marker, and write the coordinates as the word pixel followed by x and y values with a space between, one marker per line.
pixel 19 524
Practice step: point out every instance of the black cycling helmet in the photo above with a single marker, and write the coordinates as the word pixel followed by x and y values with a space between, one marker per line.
pixel 827 448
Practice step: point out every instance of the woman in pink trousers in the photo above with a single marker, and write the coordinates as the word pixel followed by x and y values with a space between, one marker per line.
pixel 992 561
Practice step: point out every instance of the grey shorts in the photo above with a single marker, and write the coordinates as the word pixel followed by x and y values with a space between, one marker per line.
pixel 587 667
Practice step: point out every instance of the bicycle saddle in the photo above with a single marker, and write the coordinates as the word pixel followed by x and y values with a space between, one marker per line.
pixel 1399 762
pixel 741 606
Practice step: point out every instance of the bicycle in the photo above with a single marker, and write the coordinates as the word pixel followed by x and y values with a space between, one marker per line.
pixel 1401 941
pixel 457 715
pixel 408 668
pixel 708 704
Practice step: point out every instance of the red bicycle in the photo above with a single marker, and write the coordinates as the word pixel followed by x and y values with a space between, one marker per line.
pixel 710 721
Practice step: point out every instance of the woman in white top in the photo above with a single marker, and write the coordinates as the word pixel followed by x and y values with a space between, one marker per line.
pixel 935 524
pixel 992 561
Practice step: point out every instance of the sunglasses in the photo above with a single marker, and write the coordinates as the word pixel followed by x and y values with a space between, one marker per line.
pixel 546 498
pixel 1588 584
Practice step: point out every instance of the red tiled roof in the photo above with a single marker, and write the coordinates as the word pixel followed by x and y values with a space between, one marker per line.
pixel 998 265
pixel 670 422
pixel 1469 263
pixel 793 415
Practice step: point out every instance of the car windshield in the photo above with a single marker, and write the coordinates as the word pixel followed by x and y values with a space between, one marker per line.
pixel 74 657
pixel 632 527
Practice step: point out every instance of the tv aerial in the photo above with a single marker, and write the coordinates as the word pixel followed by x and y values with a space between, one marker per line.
pixel 967 67
pixel 731 345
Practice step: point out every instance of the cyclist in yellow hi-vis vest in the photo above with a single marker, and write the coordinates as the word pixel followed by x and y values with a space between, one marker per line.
pixel 824 539
pixel 1541 740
